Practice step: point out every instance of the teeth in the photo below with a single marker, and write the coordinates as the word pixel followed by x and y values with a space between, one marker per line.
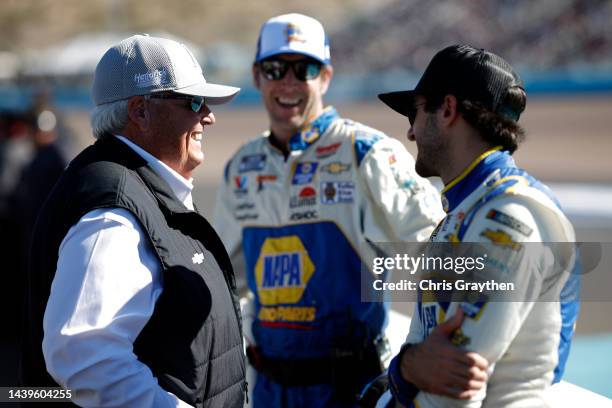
pixel 285 101
pixel 197 136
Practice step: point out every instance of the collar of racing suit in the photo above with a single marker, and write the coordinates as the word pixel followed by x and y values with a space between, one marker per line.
pixel 312 130
pixel 473 176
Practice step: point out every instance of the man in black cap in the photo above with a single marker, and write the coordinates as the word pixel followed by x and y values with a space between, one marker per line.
pixel 464 119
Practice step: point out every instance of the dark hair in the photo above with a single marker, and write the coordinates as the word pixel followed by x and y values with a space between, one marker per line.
pixel 496 128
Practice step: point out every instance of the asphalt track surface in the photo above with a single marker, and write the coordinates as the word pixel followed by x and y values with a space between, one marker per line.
pixel 569 144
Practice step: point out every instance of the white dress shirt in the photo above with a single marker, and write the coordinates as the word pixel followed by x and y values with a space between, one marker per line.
pixel 103 294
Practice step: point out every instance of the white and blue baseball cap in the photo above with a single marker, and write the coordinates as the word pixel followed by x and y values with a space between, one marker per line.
pixel 142 65
pixel 293 34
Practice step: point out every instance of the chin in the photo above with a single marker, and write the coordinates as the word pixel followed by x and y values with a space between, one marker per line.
pixel 423 170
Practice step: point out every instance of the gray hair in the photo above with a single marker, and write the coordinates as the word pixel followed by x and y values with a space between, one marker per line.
pixel 109 118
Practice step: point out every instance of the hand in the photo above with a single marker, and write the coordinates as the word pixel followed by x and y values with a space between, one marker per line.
pixel 438 367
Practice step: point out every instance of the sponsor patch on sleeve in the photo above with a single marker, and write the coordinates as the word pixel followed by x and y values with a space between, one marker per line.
pixel 509 221
pixel 501 238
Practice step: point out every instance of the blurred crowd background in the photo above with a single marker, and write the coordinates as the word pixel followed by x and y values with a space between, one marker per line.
pixel 558 45
pixel 562 49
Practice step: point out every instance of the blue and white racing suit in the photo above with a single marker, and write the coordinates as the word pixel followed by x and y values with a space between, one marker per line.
pixel 301 225
pixel 526 342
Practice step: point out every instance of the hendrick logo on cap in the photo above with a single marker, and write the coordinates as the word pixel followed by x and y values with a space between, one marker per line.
pixel 294 33
pixel 157 77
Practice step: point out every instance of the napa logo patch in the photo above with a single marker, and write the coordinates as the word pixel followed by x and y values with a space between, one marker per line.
pixel 282 271
pixel 310 133
pixel 304 173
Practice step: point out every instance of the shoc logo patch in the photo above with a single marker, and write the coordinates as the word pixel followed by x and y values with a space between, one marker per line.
pixel 307 196
pixel 304 173
pixel 337 192
pixel 326 151
pixel 306 215
pixel 252 162
pixel 282 271
pixel 335 167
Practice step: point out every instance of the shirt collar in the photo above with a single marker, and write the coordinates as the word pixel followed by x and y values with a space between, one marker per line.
pixel 473 176
pixel 180 186
pixel 311 131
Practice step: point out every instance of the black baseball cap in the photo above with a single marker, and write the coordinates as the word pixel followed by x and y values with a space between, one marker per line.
pixel 467 73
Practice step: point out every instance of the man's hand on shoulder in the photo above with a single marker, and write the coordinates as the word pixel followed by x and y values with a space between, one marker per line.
pixel 439 367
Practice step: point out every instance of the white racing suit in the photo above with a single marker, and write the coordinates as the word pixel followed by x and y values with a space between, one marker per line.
pixel 300 226
pixel 526 342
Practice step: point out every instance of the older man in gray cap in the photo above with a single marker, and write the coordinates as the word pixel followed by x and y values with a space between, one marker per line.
pixel 141 308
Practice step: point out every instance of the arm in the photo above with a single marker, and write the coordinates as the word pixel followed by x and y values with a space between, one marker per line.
pixel 492 330
pixel 104 292
pixel 403 207
pixel 435 365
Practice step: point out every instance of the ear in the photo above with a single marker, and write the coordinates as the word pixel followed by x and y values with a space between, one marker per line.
pixel 256 78
pixel 327 72
pixel 448 110
pixel 138 112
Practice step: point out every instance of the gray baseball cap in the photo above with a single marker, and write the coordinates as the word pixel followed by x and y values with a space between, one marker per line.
pixel 142 65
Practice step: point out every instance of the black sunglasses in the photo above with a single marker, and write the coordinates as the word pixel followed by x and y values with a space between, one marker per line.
pixel 304 69
pixel 412 112
pixel 195 102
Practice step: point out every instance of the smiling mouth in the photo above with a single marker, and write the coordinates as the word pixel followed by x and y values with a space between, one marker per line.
pixel 196 136
pixel 288 102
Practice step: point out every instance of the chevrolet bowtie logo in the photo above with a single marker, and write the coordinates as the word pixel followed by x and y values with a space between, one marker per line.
pixel 198 258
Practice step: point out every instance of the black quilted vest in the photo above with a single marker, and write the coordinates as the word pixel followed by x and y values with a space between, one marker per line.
pixel 193 341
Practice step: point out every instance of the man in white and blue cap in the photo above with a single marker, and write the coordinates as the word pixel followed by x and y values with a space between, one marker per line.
pixel 130 285
pixel 295 209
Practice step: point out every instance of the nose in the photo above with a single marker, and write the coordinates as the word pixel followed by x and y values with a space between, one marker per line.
pixel 289 78
pixel 207 117
pixel 410 134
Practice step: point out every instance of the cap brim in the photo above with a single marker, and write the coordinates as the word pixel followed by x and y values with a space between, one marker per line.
pixel 215 94
pixel 399 101
pixel 287 50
